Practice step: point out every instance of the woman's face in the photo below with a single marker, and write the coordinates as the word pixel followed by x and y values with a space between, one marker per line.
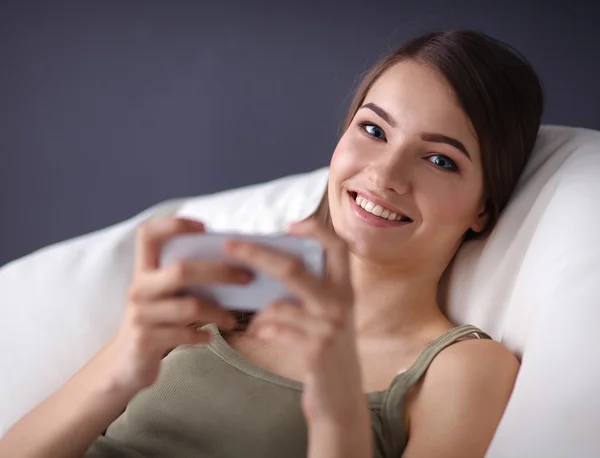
pixel 412 149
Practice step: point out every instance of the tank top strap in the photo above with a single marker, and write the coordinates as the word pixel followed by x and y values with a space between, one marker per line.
pixel 393 401
pixel 416 371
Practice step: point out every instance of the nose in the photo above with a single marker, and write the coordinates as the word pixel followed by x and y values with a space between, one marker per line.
pixel 392 172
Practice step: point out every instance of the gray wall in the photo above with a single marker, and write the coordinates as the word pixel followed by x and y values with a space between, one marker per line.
pixel 109 107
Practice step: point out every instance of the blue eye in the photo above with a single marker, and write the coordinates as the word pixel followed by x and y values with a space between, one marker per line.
pixel 373 130
pixel 444 162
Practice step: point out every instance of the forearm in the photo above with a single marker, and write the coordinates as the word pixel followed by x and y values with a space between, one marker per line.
pixel 67 423
pixel 352 439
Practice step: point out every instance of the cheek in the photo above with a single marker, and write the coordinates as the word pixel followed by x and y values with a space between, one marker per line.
pixel 346 159
pixel 450 207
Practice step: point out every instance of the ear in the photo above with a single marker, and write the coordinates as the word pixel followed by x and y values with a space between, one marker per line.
pixel 482 219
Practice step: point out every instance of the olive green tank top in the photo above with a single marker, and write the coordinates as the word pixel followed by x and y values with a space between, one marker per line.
pixel 210 401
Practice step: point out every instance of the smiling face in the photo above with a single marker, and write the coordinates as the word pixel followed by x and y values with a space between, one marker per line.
pixel 411 149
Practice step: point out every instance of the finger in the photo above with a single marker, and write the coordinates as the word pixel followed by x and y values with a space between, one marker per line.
pixel 179 276
pixel 282 333
pixel 152 235
pixel 182 311
pixel 289 269
pixel 280 320
pixel 169 337
pixel 336 250
pixel 282 310
pixel 288 315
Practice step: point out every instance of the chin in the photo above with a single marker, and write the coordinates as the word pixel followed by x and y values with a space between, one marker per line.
pixel 367 243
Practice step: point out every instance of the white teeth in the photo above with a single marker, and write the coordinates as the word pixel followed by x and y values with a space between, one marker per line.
pixel 377 210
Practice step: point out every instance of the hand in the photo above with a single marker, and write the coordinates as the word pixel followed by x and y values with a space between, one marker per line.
pixel 157 316
pixel 318 329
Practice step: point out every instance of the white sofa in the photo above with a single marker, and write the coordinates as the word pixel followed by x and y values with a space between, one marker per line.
pixel 533 284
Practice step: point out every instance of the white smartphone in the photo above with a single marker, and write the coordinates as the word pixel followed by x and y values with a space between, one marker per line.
pixel 263 289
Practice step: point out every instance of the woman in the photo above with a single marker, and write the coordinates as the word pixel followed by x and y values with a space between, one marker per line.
pixel 434 143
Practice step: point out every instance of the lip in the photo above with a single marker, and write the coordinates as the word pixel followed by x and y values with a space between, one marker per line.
pixel 370 218
pixel 378 201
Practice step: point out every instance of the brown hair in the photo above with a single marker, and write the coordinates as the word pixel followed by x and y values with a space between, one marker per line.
pixel 498 90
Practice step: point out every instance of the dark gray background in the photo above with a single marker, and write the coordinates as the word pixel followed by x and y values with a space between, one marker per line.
pixel 107 108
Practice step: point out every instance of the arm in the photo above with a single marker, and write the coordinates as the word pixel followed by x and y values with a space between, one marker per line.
pixel 156 319
pixel 67 423
pixel 455 410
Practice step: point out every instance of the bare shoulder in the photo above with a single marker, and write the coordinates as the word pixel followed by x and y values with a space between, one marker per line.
pixel 475 360
pixel 460 400
pixel 472 369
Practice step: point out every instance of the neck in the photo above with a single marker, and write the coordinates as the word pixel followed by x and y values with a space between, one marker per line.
pixel 393 301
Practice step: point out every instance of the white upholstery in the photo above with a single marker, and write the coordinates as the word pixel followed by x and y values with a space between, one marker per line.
pixel 534 284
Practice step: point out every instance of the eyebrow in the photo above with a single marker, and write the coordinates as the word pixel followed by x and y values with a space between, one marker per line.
pixel 428 137
pixel 381 113
pixel 439 138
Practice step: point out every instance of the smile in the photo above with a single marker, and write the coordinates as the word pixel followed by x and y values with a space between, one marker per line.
pixel 375 215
